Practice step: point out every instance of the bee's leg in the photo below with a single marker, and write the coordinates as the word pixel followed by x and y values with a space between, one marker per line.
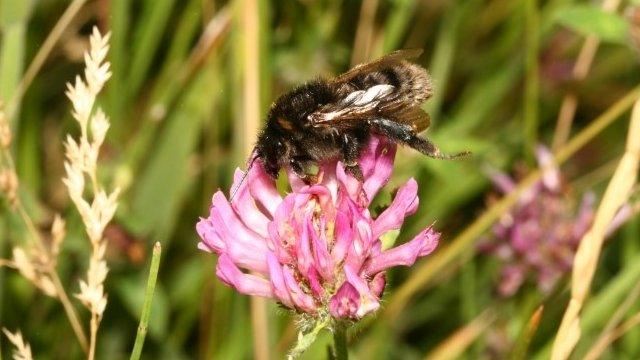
pixel 405 134
pixel 299 167
pixel 351 152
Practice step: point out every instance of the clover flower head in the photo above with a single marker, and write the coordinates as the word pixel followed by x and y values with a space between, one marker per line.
pixel 316 250
pixel 539 236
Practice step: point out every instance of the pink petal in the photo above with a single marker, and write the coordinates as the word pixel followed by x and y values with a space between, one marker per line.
pixel 245 248
pixel 210 239
pixel 377 164
pixel 512 279
pixel 301 300
pixel 378 283
pixel 585 215
pixel 247 284
pixel 204 247
pixel 623 215
pixel 314 282
pixel 550 174
pixel 360 220
pixel 368 301
pixel 361 245
pixel 501 180
pixel 284 212
pixel 364 240
pixel 277 281
pixel 321 195
pixel 246 208
pixel 329 180
pixel 281 252
pixel 525 236
pixel 304 256
pixel 404 204
pixel 345 302
pixel 247 254
pixel 322 259
pixel 547 279
pixel 263 188
pixel 231 220
pixel 343 235
pixel 406 254
pixel 351 186
pixel 294 181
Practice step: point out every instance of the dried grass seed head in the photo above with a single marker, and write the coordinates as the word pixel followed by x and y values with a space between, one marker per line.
pixel 32 265
pixel 22 349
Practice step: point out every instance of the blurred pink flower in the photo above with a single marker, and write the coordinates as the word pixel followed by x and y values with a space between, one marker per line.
pixel 317 250
pixel 538 238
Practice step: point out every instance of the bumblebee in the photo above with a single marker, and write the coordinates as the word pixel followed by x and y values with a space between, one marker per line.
pixel 334 118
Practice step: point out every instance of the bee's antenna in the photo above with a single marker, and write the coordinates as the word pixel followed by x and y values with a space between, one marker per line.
pixel 244 176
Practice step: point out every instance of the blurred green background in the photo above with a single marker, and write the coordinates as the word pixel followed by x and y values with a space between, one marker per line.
pixel 183 118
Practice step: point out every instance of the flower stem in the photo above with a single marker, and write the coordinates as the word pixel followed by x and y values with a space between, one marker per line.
pixel 340 342
pixel 146 307
pixel 95 322
pixel 69 309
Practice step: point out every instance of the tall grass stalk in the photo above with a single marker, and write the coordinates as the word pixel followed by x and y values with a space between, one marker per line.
pixel 604 339
pixel 14 20
pixel 457 343
pixel 579 73
pixel 81 167
pixel 148 301
pixel 42 54
pixel 588 254
pixel 249 21
pixel 365 31
pixel 598 349
pixel 166 93
pixel 532 80
pixel 527 334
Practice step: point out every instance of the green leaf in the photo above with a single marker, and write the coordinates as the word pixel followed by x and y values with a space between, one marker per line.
pixel 12 12
pixel 590 20
pixel 164 183
pixel 14 16
pixel 146 40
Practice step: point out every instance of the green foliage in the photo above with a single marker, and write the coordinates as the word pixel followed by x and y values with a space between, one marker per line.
pixel 589 20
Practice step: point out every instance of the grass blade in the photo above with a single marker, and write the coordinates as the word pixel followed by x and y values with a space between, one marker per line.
pixel 13 23
pixel 148 299
pixel 588 254
pixel 532 81
pixel 147 40
pixel 459 341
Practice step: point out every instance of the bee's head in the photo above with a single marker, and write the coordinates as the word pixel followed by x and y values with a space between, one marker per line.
pixel 271 149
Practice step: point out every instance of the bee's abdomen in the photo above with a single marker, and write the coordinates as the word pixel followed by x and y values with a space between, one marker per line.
pixel 411 81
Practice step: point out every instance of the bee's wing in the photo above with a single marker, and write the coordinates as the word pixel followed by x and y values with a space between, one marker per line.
pixel 385 61
pixel 411 115
pixel 378 101
pixel 357 106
